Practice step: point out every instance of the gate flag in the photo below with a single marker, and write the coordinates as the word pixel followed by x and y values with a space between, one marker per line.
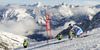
pixel 48 25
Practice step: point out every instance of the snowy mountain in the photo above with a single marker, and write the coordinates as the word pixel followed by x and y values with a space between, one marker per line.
pixel 29 20
pixel 95 22
pixel 97 6
pixel 38 4
pixel 26 17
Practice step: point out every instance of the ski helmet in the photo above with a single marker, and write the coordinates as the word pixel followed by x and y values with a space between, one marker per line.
pixel 70 24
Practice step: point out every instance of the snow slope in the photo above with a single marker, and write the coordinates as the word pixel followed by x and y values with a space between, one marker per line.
pixel 9 40
pixel 91 42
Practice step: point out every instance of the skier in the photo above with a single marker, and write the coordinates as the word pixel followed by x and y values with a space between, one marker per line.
pixel 75 31
pixel 25 44
pixel 59 36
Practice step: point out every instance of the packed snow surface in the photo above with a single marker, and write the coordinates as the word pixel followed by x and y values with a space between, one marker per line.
pixel 91 42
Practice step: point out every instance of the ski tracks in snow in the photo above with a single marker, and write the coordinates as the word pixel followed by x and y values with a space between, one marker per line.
pixel 91 42
pixel 42 44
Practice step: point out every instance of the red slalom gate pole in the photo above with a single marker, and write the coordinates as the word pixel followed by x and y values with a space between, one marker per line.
pixel 46 26
pixel 50 35
pixel 50 28
pixel 47 36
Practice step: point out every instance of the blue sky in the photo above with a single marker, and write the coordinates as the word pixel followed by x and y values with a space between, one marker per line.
pixel 82 2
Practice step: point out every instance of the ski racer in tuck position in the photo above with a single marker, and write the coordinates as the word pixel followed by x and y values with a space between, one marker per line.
pixel 75 31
